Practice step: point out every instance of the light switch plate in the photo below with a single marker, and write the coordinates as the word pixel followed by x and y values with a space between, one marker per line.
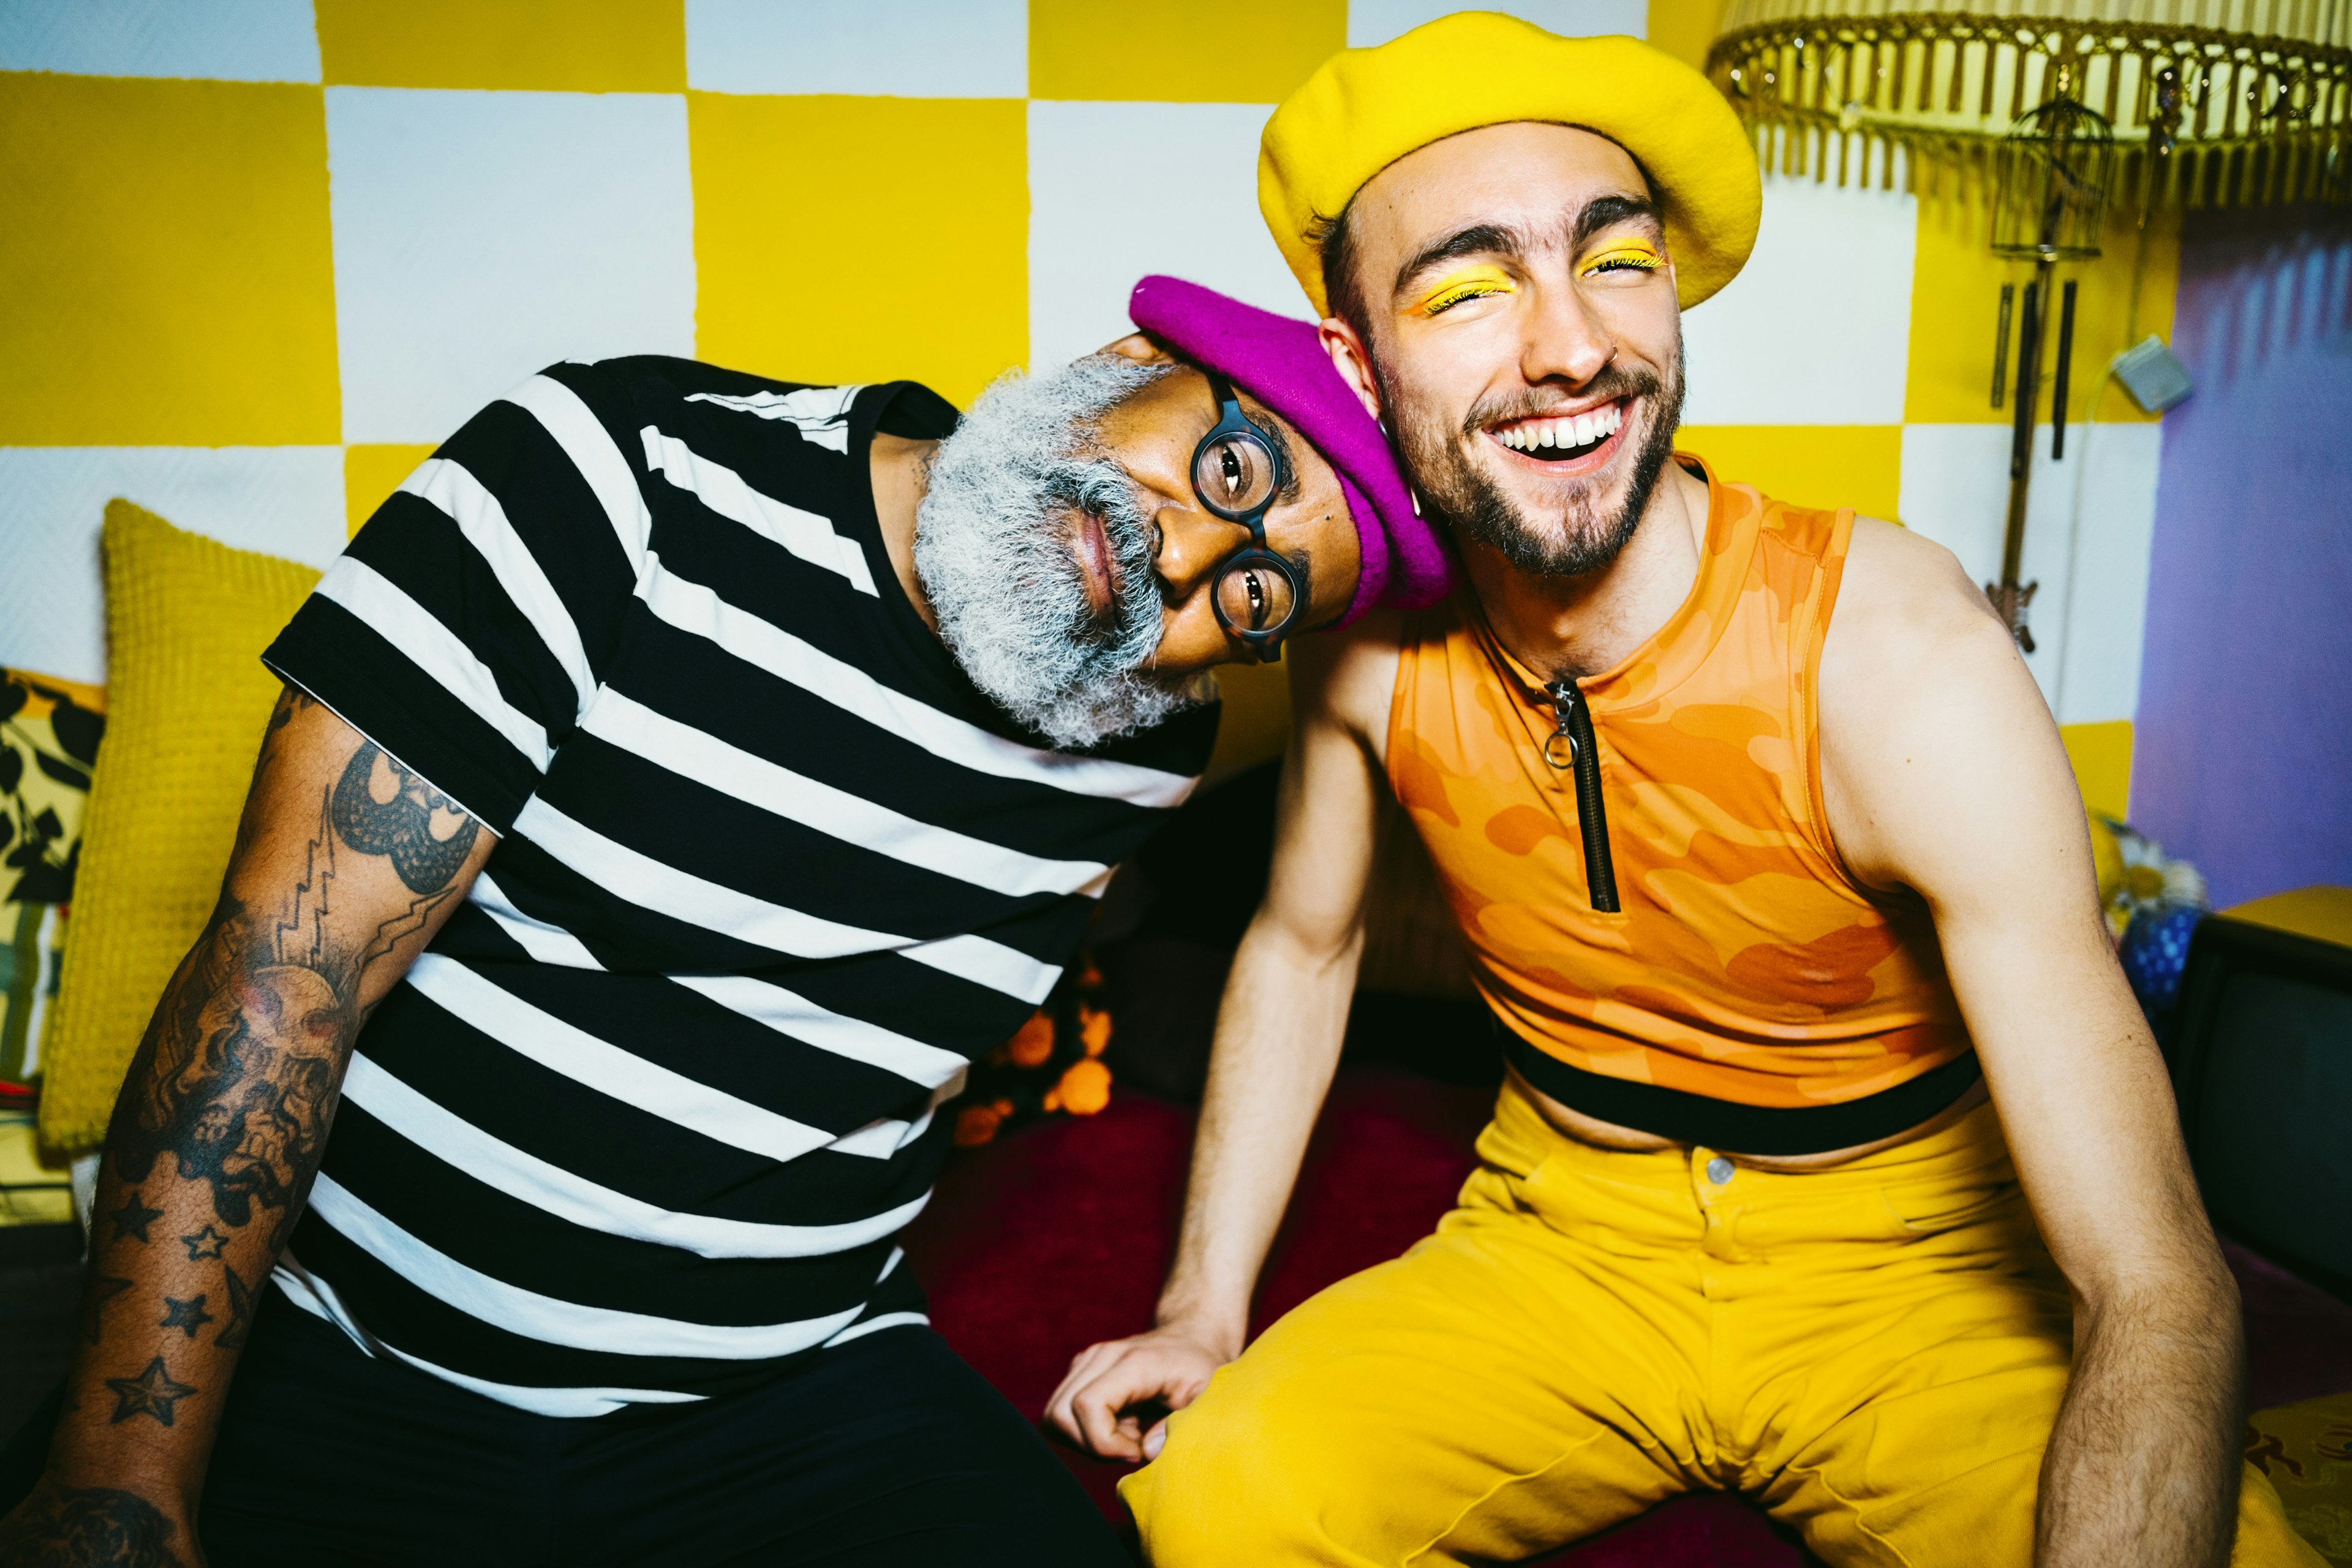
pixel 2153 374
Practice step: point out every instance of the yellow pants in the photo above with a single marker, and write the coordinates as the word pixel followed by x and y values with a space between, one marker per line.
pixel 1875 1353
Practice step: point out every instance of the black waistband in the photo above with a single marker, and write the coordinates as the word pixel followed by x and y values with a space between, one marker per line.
pixel 1700 1120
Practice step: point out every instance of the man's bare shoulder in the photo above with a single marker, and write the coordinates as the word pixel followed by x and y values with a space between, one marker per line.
pixel 1923 695
pixel 1905 610
pixel 1344 679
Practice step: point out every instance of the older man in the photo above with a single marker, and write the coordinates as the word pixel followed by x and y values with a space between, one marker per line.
pixel 1775 879
pixel 677 781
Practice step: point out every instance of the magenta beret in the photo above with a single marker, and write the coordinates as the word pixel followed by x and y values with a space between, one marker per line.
pixel 1281 364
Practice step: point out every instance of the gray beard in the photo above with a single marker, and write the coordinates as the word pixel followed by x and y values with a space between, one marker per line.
pixel 1584 540
pixel 993 549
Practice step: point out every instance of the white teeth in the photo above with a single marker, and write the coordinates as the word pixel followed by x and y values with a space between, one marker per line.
pixel 1563 434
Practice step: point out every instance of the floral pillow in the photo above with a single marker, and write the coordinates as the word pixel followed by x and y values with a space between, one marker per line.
pixel 50 732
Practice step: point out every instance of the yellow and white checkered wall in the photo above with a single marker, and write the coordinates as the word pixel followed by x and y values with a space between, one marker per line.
pixel 258 257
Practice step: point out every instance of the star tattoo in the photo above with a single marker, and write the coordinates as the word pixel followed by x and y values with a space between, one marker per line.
pixel 206 1243
pixel 151 1393
pixel 103 1288
pixel 133 1217
pixel 186 1315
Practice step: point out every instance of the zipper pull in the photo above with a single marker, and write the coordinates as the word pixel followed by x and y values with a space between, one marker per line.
pixel 1572 747
pixel 1559 747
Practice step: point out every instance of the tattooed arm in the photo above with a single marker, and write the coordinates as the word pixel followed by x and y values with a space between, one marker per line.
pixel 345 865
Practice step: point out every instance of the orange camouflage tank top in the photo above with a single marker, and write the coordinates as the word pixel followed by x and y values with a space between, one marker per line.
pixel 1744 964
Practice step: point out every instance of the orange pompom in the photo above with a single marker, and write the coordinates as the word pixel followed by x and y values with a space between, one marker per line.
pixel 975 1125
pixel 1085 1089
pixel 1033 1045
pixel 1094 1030
pixel 1092 978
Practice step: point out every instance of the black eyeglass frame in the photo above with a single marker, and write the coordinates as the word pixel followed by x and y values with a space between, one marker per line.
pixel 1265 642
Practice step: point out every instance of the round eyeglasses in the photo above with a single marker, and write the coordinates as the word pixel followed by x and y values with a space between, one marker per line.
pixel 1238 472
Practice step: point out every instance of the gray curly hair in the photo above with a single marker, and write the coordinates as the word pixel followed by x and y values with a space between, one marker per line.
pixel 992 550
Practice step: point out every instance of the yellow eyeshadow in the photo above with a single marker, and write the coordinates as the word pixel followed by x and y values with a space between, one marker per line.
pixel 1470 283
pixel 1636 253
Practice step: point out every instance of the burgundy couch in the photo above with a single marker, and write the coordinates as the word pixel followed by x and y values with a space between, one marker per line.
pixel 1057 1235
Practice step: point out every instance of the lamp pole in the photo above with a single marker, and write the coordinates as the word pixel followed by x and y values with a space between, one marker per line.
pixel 2064 224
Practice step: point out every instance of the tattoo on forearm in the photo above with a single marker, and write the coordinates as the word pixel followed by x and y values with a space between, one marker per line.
pixel 186 1315
pixel 291 699
pixel 249 1038
pixel 240 1312
pixel 151 1393
pixel 245 1060
pixel 88 1527
pixel 234 1089
pixel 133 1217
pixel 401 825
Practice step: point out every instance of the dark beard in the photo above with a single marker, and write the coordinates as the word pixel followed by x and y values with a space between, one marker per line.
pixel 1474 505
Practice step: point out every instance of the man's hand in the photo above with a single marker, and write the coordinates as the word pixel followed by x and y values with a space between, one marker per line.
pixel 1099 1404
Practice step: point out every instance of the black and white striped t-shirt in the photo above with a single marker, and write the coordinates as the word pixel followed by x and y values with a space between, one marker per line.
pixel 641 1124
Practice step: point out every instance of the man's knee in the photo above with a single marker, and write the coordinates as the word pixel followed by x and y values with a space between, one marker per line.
pixel 1232 1486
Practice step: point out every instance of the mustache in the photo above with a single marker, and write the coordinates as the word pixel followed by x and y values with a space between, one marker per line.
pixel 1612 382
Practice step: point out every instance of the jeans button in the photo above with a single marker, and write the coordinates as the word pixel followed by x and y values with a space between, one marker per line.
pixel 1718 1170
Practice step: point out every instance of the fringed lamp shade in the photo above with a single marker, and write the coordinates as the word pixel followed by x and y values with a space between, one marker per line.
pixel 2209 102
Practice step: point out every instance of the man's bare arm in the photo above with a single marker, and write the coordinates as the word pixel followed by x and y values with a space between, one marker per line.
pixel 345 866
pixel 1278 1033
pixel 1943 773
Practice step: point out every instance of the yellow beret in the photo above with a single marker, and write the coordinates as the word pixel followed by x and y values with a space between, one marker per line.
pixel 1364 109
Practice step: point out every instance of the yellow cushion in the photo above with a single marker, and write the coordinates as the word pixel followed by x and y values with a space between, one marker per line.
pixel 35 1188
pixel 2106 858
pixel 186 619
pixel 1365 108
pixel 2321 912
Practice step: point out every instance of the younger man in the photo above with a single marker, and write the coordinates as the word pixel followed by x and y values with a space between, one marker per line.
pixel 1762 840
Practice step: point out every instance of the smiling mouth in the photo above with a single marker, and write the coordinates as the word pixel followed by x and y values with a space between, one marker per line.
pixel 1553 440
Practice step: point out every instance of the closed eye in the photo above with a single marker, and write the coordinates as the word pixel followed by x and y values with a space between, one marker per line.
pixel 1459 287
pixel 1627 256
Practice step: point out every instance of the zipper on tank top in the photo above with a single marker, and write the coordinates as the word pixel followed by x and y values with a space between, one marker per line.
pixel 1574 739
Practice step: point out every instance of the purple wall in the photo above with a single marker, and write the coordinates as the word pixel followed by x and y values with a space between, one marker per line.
pixel 2243 745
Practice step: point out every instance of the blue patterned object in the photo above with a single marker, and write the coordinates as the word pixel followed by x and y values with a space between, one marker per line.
pixel 2155 951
